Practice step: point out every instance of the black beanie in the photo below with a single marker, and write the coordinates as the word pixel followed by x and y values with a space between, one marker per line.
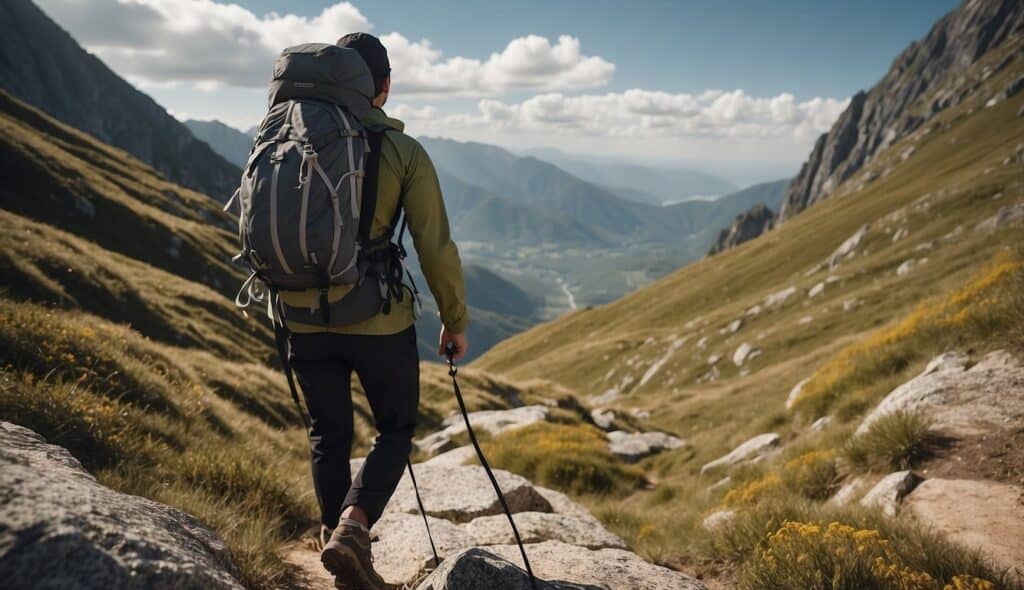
pixel 373 53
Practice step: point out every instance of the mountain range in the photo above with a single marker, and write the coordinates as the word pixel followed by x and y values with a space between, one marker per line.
pixel 43 65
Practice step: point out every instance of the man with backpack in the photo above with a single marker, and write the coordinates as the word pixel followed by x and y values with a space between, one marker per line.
pixel 329 177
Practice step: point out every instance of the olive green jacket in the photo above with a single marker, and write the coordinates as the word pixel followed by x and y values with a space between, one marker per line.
pixel 406 170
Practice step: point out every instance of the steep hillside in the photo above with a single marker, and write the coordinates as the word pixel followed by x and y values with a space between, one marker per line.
pixel 895 107
pixel 41 64
pixel 227 141
pixel 920 256
pixel 120 341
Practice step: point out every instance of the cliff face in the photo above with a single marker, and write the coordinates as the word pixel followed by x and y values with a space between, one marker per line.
pixel 41 64
pixel 747 226
pixel 894 107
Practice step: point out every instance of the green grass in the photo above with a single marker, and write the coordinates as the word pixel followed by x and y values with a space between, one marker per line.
pixel 895 441
pixel 571 458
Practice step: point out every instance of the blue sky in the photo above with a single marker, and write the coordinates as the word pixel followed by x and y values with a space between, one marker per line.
pixel 737 87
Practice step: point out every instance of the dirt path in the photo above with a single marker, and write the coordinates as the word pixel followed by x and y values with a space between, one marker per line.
pixel 305 570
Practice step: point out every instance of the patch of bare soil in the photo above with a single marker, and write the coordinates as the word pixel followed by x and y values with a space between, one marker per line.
pixel 305 572
pixel 996 456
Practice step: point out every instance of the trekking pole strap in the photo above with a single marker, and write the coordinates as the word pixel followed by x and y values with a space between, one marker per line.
pixel 281 338
pixel 453 371
pixel 419 502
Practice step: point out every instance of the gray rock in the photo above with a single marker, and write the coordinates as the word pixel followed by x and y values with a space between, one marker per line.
pixel 1005 216
pixel 816 290
pixel 536 527
pixel 562 504
pixel 636 446
pixel 821 424
pixel 978 514
pixel 608 568
pixel 959 401
pixel 603 418
pixel 745 227
pixel 461 493
pixel 53 508
pixel 794 393
pixel 779 297
pixel 717 519
pixel 491 421
pixel 744 353
pixel 477 568
pixel 848 247
pixel 900 234
pixel 888 492
pixel 755 447
pixel 713 359
pixel 457 456
pixel 722 483
pixel 848 492
pixel 402 552
pixel 905 268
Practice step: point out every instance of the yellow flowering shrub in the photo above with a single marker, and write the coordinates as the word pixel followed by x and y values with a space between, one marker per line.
pixel 838 556
pixel 814 475
pixel 978 307
pixel 751 492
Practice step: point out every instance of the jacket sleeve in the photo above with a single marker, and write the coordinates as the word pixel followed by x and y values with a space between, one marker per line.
pixel 438 255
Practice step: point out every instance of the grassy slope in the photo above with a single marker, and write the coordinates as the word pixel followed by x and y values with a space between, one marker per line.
pixel 135 362
pixel 966 165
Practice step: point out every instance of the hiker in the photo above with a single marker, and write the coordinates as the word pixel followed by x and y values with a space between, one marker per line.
pixel 355 313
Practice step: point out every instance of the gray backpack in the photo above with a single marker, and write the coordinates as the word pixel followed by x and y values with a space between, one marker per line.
pixel 308 192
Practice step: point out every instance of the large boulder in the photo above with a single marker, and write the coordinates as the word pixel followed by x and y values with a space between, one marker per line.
pixel 60 528
pixel 535 527
pixel 614 569
pixel 402 553
pixel 749 450
pixel 984 515
pixel 633 446
pixel 959 400
pixel 460 493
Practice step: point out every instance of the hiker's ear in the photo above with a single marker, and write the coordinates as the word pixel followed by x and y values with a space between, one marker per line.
pixel 385 89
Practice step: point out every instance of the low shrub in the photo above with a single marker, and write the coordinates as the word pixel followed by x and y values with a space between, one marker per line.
pixel 895 441
pixel 572 458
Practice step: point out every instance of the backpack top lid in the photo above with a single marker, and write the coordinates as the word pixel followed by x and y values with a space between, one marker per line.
pixel 323 72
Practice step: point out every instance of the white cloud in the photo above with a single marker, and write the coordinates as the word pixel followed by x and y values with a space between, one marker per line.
pixel 644 113
pixel 213 45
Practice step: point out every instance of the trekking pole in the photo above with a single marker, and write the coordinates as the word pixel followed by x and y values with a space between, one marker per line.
pixel 453 371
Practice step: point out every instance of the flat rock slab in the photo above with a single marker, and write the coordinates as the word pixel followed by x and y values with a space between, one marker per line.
pixel 460 493
pixel 477 568
pixel 536 527
pixel 959 400
pixel 986 515
pixel 614 569
pixel 457 456
pixel 633 446
pixel 53 508
pixel 402 553
pixel 751 449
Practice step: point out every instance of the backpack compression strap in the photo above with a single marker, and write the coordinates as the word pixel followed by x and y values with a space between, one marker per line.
pixel 374 138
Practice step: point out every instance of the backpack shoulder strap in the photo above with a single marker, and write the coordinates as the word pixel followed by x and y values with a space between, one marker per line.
pixel 368 207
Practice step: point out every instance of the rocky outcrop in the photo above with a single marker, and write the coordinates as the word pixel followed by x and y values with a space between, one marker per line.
pixel 633 446
pixel 53 508
pixel 982 514
pixel 745 227
pixel 42 65
pixel 958 400
pixel 887 493
pixel 491 421
pixel 754 448
pixel 891 110
pixel 475 542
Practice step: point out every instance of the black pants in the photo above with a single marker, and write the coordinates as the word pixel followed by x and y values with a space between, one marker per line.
pixel 388 368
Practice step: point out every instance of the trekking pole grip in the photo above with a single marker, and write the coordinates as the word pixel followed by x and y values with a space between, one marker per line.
pixel 449 351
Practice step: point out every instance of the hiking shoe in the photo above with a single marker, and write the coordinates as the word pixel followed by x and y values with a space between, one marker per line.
pixel 347 557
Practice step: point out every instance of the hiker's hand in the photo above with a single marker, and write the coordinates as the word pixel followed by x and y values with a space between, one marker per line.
pixel 458 341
